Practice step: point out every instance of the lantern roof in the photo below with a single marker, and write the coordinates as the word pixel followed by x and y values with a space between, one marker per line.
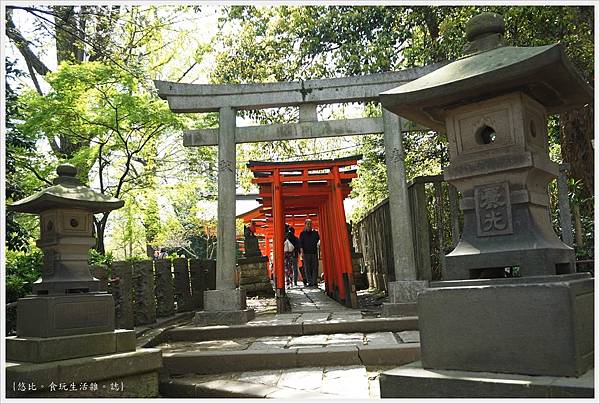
pixel 66 192
pixel 488 69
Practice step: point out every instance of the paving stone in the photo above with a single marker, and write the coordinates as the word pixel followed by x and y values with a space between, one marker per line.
pixel 302 379
pixel 409 336
pixel 345 315
pixel 346 381
pixel 304 340
pixel 346 339
pixel 268 377
pixel 317 317
pixel 381 338
pixel 274 342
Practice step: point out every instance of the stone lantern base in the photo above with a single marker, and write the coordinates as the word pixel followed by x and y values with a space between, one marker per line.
pixel 489 338
pixel 67 346
pixel 60 315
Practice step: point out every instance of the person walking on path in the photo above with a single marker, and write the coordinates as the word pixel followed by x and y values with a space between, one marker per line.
pixel 296 243
pixel 288 249
pixel 308 247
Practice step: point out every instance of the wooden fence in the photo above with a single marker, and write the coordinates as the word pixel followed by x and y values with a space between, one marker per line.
pixel 437 224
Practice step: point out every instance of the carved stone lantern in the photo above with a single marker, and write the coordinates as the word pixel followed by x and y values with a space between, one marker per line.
pixel 493 104
pixel 66 299
pixel 500 334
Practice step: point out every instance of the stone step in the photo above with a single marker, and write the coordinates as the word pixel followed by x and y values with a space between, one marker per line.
pixel 260 329
pixel 213 362
pixel 301 384
pixel 412 381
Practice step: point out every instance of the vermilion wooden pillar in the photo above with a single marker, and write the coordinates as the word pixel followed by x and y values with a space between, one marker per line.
pixel 292 191
pixel 278 240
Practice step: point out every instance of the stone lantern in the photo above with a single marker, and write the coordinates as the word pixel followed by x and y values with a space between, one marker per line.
pixel 66 299
pixel 481 336
pixel 66 327
pixel 493 104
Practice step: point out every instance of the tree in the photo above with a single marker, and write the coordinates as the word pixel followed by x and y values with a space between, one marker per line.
pixel 292 43
pixel 20 156
pixel 111 111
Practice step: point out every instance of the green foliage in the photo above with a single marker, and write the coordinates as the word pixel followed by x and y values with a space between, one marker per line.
pixel 20 158
pixel 22 269
pixel 97 258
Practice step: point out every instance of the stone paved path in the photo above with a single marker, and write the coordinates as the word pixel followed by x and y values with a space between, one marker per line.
pixel 309 305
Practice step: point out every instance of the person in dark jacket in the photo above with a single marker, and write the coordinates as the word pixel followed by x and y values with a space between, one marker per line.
pixel 308 247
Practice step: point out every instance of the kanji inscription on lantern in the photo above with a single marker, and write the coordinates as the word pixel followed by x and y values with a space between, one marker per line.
pixel 493 209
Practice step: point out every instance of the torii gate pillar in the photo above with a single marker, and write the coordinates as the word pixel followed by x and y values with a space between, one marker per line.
pixel 402 292
pixel 226 304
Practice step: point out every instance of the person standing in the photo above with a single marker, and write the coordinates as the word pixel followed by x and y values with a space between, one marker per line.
pixel 308 247
pixel 294 240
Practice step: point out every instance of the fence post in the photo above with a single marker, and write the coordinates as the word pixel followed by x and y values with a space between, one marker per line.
pixel 418 204
pixel 122 292
pixel 144 300
pixel 439 223
pixel 164 290
pixel 198 274
pixel 454 214
pixel 566 226
pixel 183 297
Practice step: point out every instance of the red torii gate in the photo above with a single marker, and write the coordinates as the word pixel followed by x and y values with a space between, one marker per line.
pixel 293 191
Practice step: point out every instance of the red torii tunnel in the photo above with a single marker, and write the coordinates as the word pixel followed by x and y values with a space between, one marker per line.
pixel 291 192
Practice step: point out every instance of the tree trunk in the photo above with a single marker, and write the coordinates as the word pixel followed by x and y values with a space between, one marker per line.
pixel 100 227
pixel 577 132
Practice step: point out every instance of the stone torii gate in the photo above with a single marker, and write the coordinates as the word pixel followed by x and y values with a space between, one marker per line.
pixel 226 99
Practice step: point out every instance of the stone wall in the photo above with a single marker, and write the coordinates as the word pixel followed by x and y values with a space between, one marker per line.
pixel 146 290
pixel 253 276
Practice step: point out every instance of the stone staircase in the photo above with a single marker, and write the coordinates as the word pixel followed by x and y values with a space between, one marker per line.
pixel 320 350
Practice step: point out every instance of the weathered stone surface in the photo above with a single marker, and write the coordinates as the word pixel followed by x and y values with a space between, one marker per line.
pixel 302 379
pixel 37 350
pixel 199 273
pixel 348 381
pixel 380 338
pixel 224 299
pixel 335 355
pixel 123 293
pixel 268 377
pixel 100 272
pixel 183 296
pixel 409 336
pixel 539 326
pixel 398 309
pixel 393 354
pixel 228 361
pixel 229 317
pixel 405 291
pixel 60 315
pixel 164 289
pixel 126 367
pixel 354 339
pixel 144 306
pixel 412 381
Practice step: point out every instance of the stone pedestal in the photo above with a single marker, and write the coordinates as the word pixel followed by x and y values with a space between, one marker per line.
pixel 537 326
pixel 253 276
pixel 515 337
pixel 100 364
pixel 132 374
pixel 60 315
pixel 403 298
pixel 224 307
pixel 412 381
